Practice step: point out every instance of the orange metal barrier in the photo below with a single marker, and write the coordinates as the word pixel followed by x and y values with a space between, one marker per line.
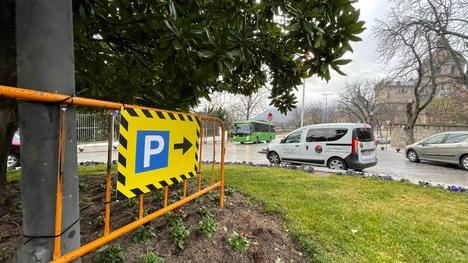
pixel 62 101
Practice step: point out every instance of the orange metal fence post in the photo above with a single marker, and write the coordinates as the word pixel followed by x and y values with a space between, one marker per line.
pixel 58 201
pixel 223 152
pixel 166 193
pixel 141 207
pixel 185 189
pixel 200 167
pixel 214 153
pixel 110 140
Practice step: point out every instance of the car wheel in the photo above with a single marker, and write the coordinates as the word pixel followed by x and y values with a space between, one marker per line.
pixel 412 156
pixel 336 163
pixel 274 158
pixel 12 161
pixel 464 162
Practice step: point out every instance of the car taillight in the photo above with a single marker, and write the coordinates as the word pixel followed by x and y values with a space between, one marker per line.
pixel 354 146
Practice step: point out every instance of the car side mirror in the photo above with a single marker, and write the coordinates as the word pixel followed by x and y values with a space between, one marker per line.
pixel 283 140
pixel 423 144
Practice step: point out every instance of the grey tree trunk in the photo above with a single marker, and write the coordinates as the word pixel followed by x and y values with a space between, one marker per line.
pixel 409 135
pixel 8 107
pixel 45 62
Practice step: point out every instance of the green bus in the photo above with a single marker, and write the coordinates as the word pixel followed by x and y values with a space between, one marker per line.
pixel 253 131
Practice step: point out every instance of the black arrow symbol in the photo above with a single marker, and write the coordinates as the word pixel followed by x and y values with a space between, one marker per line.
pixel 185 146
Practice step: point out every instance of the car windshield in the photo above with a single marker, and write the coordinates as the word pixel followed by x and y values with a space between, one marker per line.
pixel 363 134
pixel 241 128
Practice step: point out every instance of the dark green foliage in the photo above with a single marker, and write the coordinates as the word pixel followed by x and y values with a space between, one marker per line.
pixel 151 257
pixel 111 254
pixel 207 222
pixel 178 230
pixel 171 53
pixel 238 242
pixel 144 234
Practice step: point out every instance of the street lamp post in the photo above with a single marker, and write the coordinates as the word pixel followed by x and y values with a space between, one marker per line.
pixel 326 104
pixel 303 99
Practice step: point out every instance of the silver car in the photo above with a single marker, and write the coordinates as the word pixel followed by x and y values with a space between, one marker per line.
pixel 448 147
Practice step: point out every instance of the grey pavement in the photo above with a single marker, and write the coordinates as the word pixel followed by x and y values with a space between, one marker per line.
pixel 390 162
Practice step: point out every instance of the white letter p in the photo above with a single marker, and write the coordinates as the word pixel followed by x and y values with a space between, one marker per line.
pixel 148 151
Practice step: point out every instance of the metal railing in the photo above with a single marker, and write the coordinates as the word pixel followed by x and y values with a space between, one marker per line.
pixel 109 108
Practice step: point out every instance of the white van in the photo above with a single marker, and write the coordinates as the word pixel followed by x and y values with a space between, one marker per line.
pixel 336 145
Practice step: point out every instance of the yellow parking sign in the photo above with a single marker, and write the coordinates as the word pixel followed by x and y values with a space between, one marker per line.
pixel 156 149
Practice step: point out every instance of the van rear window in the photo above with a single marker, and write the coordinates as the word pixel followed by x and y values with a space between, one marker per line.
pixel 363 134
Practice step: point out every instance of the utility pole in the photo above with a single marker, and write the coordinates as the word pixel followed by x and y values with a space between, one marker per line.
pixel 303 101
pixel 326 104
pixel 45 62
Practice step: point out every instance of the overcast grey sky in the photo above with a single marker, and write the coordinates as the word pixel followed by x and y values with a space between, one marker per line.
pixel 364 64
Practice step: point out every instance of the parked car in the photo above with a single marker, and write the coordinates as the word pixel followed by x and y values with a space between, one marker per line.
pixel 336 145
pixel 14 154
pixel 447 147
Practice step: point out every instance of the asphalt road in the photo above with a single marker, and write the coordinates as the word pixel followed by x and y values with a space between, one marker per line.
pixel 390 162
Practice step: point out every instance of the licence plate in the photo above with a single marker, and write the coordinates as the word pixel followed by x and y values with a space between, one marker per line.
pixel 366 152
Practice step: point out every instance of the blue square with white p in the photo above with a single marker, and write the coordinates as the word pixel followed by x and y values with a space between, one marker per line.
pixel 152 150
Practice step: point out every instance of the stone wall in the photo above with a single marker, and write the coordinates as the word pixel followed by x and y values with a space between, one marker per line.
pixel 421 131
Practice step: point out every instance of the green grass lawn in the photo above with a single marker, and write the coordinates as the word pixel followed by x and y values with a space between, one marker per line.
pixel 353 219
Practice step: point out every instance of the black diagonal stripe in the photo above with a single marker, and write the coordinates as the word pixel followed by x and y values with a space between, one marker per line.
pixel 124 122
pixel 123 141
pixel 160 115
pixel 120 196
pixel 132 112
pixel 191 174
pixel 147 113
pixel 181 117
pixel 137 191
pixel 189 118
pixel 171 115
pixel 151 187
pixel 196 168
pixel 121 178
pixel 197 145
pixel 122 160
pixel 198 134
pixel 183 176
pixel 174 181
pixel 196 156
pixel 198 121
pixel 163 183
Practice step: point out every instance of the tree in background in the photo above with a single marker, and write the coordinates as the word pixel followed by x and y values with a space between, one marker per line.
pixel 360 100
pixel 247 107
pixel 171 53
pixel 419 54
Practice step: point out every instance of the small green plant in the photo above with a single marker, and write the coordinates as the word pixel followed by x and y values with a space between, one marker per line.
pixel 238 242
pixel 207 223
pixel 97 221
pixel 111 254
pixel 131 202
pixel 151 257
pixel 144 234
pixel 82 184
pixel 230 191
pixel 179 231
pixel 158 196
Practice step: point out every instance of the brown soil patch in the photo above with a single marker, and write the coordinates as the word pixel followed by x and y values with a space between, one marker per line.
pixel 266 231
